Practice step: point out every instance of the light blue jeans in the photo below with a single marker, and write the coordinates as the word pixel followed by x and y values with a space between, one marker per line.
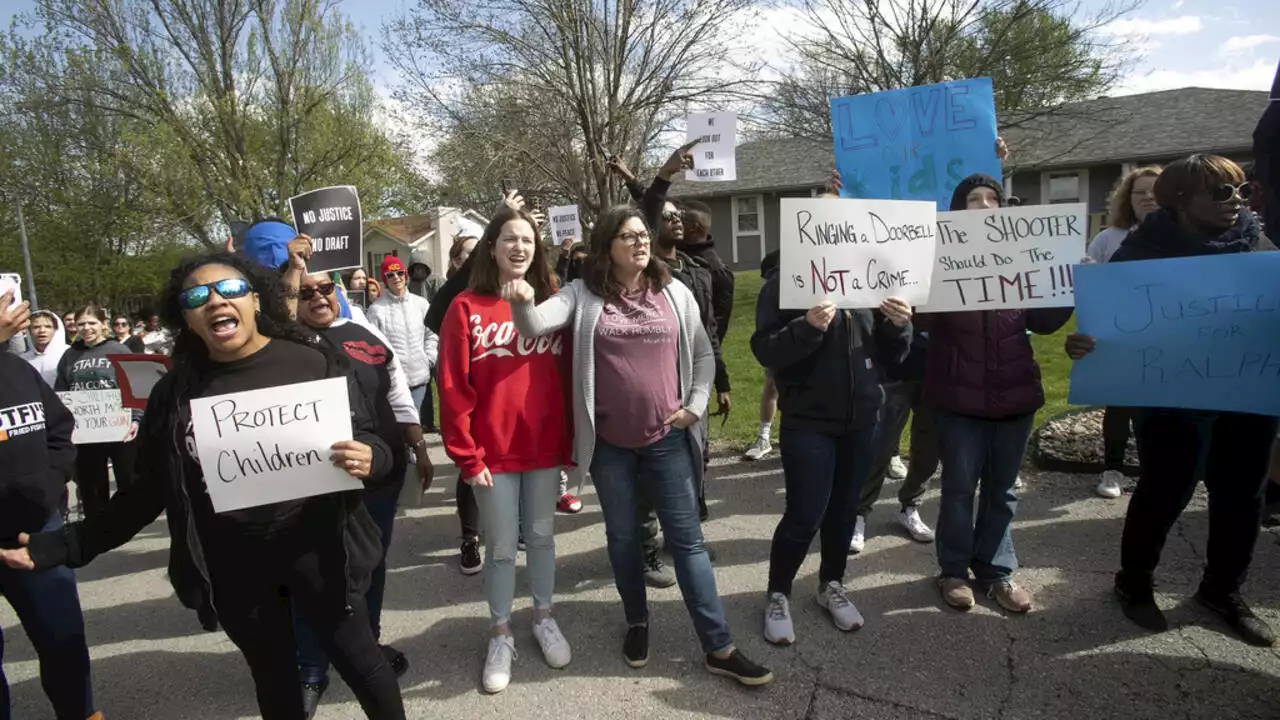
pixel 519 501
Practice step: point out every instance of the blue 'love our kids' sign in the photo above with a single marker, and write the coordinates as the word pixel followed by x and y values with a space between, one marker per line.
pixel 917 143
pixel 1200 333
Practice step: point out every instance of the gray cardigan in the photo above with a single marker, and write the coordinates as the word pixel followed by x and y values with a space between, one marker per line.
pixel 577 305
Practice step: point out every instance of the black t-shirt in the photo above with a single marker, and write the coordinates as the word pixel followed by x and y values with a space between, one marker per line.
pixel 280 362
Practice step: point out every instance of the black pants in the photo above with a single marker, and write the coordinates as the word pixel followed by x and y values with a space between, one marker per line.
pixel 1170 444
pixel 902 400
pixel 1116 424
pixel 253 595
pixel 427 412
pixel 468 510
pixel 91 472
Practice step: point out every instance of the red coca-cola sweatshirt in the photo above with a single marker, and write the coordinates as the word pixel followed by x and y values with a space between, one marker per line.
pixel 502 396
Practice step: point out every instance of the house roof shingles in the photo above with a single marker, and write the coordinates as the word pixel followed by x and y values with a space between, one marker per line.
pixel 405 229
pixel 1134 128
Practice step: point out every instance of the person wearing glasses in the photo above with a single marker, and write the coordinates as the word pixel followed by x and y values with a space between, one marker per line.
pixel 642 374
pixel 248 570
pixel 122 329
pixel 1200 212
pixel 69 327
pixel 1132 199
pixel 382 380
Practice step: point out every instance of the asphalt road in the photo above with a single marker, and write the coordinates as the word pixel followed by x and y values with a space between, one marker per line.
pixel 1074 656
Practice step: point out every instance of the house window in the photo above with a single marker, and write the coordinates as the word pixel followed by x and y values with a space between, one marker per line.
pixel 1069 186
pixel 748 223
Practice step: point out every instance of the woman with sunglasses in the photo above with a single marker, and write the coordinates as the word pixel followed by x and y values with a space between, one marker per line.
pixel 248 569
pixel 84 366
pixel 382 381
pixel 642 374
pixel 1200 213
pixel 122 329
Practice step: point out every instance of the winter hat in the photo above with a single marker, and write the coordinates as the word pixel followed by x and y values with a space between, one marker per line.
pixel 390 263
pixel 266 242
pixel 971 183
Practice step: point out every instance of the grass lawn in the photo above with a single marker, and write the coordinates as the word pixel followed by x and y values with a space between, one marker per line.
pixel 747 377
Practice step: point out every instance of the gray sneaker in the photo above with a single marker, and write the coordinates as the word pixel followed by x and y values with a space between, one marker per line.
pixel 656 573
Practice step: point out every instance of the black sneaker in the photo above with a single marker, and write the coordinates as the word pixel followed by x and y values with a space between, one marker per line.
pixel 311 694
pixel 656 573
pixel 738 667
pixel 635 647
pixel 470 563
pixel 1139 605
pixel 1232 608
pixel 396 659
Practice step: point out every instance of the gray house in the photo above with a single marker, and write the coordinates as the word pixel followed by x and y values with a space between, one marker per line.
pixel 1074 155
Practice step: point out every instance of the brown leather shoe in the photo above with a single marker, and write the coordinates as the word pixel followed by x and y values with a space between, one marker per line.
pixel 1010 597
pixel 956 592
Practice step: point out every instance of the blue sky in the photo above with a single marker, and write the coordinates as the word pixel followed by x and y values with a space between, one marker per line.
pixel 1211 43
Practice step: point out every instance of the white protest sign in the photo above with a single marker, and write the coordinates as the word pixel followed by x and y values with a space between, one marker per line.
pixel 266 446
pixel 100 418
pixel 564 224
pixel 713 158
pixel 856 253
pixel 1007 258
pixel 11 282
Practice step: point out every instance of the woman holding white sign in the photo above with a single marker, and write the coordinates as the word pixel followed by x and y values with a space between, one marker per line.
pixel 236 568
pixel 84 366
pixel 642 373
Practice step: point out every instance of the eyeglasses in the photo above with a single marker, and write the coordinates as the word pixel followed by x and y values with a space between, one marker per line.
pixel 1226 191
pixel 395 273
pixel 228 288
pixel 325 289
pixel 673 216
pixel 121 324
pixel 631 239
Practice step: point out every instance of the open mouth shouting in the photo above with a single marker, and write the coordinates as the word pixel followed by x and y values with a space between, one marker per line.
pixel 224 324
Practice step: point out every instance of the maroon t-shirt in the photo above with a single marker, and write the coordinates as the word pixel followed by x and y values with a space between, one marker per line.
pixel 637 349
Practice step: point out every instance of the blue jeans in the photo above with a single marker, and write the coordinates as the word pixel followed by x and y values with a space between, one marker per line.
pixel 823 475
pixel 48 606
pixel 979 457
pixel 313 665
pixel 519 504
pixel 664 472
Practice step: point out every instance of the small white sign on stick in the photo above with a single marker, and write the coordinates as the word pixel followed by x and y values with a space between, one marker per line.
pixel 713 156
pixel 266 446
pixel 100 417
pixel 565 224
pixel 856 253
pixel 1008 258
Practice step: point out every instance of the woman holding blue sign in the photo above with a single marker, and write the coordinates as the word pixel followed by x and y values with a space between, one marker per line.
pixel 1201 213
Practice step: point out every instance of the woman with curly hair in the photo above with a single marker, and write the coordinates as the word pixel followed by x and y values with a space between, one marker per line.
pixel 246 569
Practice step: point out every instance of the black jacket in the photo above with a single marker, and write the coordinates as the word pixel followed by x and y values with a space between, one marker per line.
pixel 828 382
pixel 458 282
pixel 35 448
pixel 161 486
pixel 697 277
pixel 1266 156
pixel 722 282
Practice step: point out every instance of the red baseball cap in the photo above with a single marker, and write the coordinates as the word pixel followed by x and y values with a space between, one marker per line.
pixel 391 263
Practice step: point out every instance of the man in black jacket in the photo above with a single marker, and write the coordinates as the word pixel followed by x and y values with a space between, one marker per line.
pixel 37 455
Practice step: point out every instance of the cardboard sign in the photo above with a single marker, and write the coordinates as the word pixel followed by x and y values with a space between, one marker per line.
pixel 266 446
pixel 1201 333
pixel 856 253
pixel 713 156
pixel 331 218
pixel 917 143
pixel 100 416
pixel 1017 257
pixel 137 375
pixel 564 224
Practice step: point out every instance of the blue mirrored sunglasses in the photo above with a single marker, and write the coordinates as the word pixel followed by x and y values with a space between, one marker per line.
pixel 229 289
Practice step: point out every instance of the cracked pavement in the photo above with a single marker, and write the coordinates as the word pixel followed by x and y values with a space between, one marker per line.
pixel 1074 656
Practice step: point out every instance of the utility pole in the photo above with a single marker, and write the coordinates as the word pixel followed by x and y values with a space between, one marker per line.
pixel 26 257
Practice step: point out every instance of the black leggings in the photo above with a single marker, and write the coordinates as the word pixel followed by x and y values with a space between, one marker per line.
pixel 254 608
pixel 91 472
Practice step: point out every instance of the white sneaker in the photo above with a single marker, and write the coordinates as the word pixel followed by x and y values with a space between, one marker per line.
pixel 497 663
pixel 859 539
pixel 834 599
pixel 1109 484
pixel 777 620
pixel 1018 484
pixel 897 468
pixel 758 449
pixel 919 531
pixel 555 649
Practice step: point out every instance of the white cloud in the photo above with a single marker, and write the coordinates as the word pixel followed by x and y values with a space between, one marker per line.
pixel 1245 44
pixel 1179 4
pixel 1235 76
pixel 1139 27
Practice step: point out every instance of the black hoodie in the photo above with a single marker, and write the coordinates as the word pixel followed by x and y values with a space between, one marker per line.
pixel 35 448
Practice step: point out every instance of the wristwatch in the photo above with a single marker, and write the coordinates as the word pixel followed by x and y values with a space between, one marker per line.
pixel 420 445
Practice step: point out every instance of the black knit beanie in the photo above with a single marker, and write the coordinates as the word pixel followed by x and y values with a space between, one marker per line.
pixel 968 184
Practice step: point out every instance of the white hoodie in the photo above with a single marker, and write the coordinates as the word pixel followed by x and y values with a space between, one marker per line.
pixel 46 362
